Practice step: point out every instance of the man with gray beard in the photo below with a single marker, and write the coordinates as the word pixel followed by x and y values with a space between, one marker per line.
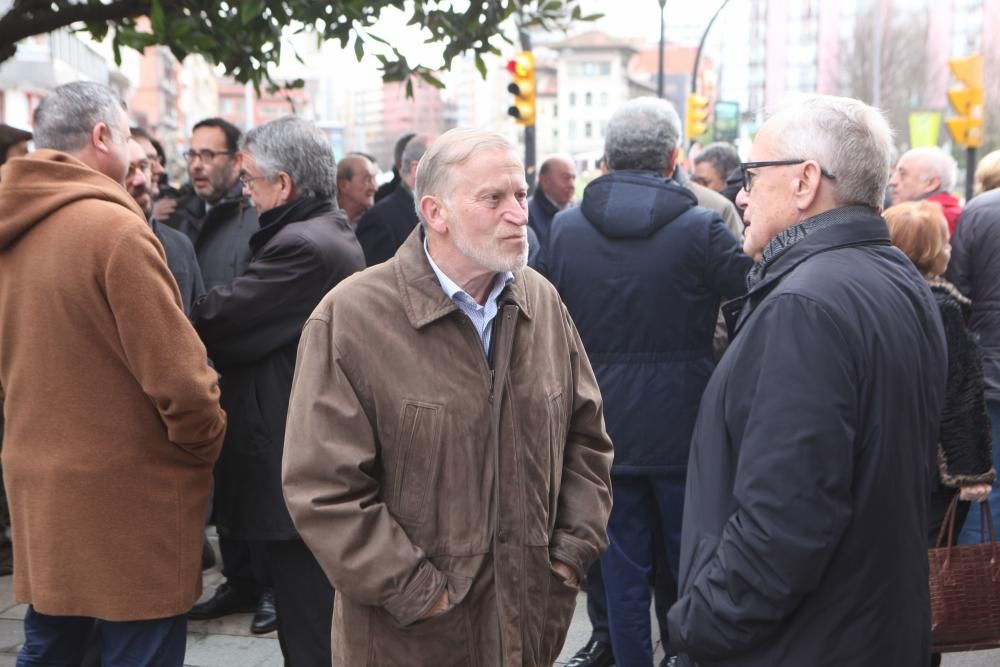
pixel 445 455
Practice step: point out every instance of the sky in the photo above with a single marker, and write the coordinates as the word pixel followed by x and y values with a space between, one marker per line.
pixel 622 19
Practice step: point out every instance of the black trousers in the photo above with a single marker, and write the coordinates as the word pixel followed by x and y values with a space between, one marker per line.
pixel 303 598
pixel 245 565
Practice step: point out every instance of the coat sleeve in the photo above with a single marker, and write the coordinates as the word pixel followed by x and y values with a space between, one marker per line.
pixel 797 391
pixel 960 266
pixel 160 346
pixel 728 265
pixel 580 533
pixel 965 427
pixel 334 499
pixel 262 310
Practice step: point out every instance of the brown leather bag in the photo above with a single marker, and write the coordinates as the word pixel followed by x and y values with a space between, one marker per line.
pixel 965 588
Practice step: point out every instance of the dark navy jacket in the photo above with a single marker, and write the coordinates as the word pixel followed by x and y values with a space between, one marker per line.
pixel 975 270
pixel 384 227
pixel 805 530
pixel 182 262
pixel 541 211
pixel 642 270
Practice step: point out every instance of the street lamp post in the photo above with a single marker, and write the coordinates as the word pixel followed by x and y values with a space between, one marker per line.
pixel 701 45
pixel 659 76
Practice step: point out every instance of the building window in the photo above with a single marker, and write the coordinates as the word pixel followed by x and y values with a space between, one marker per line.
pixel 588 130
pixel 572 99
pixel 572 130
pixel 588 99
pixel 604 99
pixel 591 68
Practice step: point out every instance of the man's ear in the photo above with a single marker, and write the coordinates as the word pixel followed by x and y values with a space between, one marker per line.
pixel 668 169
pixel 934 181
pixel 432 211
pixel 807 185
pixel 101 136
pixel 288 192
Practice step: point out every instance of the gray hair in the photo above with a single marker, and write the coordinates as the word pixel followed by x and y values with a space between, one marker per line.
pixel 435 171
pixel 936 161
pixel 723 158
pixel 66 117
pixel 298 148
pixel 848 138
pixel 641 134
pixel 414 150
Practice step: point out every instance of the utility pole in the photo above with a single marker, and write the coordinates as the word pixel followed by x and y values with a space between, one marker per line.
pixel 663 44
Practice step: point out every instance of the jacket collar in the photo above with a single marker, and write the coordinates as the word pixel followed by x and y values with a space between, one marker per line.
pixel 423 299
pixel 861 226
pixel 276 219
pixel 547 206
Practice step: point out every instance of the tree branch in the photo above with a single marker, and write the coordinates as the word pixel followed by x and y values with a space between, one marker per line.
pixel 15 26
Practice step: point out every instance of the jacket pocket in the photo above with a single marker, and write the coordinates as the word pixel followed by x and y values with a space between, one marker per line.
pixel 417 452
pixel 557 445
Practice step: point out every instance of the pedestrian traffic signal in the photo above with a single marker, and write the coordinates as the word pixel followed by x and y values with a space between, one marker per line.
pixel 967 127
pixel 696 118
pixel 522 87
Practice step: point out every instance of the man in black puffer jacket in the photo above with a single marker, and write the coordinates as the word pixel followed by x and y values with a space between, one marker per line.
pixel 642 270
pixel 251 328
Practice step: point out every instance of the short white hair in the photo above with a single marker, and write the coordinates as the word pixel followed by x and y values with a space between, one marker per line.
pixel 936 161
pixel 850 140
pixel 437 169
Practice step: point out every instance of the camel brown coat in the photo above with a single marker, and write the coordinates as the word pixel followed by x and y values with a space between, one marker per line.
pixel 113 420
pixel 411 466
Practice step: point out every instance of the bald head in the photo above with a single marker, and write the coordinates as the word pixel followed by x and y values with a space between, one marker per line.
pixel 355 185
pixel 557 179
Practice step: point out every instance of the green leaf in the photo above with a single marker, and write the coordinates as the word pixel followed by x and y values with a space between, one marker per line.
pixel 249 10
pixel 359 48
pixel 158 19
pixel 481 66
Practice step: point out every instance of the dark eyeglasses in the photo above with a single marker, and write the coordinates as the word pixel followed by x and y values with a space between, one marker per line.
pixel 748 177
pixel 205 155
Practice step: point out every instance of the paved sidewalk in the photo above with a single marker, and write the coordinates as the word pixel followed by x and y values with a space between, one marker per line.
pixel 227 642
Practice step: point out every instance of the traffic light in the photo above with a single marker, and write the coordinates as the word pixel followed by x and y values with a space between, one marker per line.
pixel 522 87
pixel 696 118
pixel 967 127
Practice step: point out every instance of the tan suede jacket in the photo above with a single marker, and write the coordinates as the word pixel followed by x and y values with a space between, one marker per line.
pixel 412 465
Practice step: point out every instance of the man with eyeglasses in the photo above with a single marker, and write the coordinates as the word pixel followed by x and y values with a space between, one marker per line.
pixel 220 220
pixel 804 539
pixel 251 328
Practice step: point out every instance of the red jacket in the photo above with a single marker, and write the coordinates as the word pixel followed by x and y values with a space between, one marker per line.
pixel 952 209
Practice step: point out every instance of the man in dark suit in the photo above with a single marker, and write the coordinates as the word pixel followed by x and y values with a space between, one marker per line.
pixel 384 227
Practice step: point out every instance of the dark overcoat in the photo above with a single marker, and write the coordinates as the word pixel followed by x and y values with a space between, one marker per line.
pixel 804 539
pixel 251 328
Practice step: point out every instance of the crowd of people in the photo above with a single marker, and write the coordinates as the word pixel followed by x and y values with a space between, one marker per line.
pixel 424 416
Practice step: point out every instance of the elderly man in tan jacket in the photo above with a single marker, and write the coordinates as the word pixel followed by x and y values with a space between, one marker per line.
pixel 445 455
pixel 113 418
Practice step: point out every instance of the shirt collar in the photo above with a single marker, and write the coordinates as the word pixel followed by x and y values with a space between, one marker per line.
pixel 454 292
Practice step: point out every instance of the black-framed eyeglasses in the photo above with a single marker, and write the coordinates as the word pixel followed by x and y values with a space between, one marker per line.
pixel 748 177
pixel 205 155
